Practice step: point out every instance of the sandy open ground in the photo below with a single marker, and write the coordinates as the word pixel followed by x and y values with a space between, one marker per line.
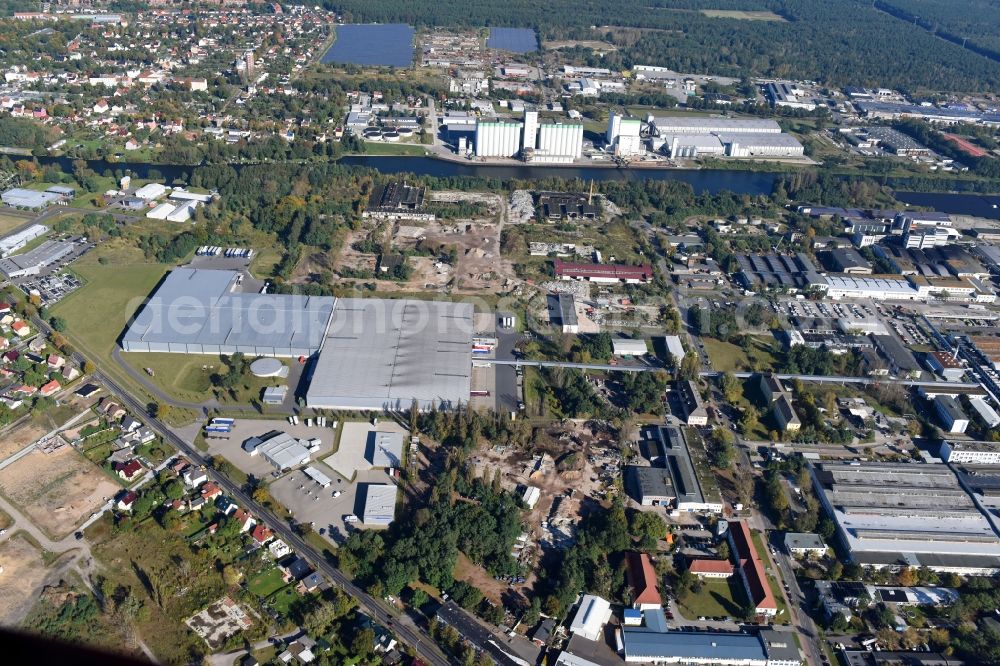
pixel 58 490
pixel 23 572
pixel 19 437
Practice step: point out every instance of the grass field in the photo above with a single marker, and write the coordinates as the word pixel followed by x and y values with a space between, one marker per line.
pixel 379 148
pixel 10 220
pixel 726 356
pixel 97 312
pixel 743 15
pixel 185 377
pixel 717 597
pixel 267 583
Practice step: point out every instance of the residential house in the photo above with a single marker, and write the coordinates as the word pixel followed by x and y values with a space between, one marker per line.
pixel 50 388
pixel 128 470
pixel 21 328
pixel 210 491
pixel 278 549
pixel 55 361
pixel 130 424
pixel 261 534
pixel 244 520
pixel 126 500
pixel 194 477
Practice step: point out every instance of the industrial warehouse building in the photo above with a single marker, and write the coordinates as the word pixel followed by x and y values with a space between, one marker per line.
pixel 17 240
pixel 373 354
pixel 199 311
pixel 765 648
pixel 384 354
pixel 380 504
pixel 33 261
pixel 708 125
pixel 906 514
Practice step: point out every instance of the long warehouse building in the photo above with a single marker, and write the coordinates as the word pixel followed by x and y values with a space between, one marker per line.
pixel 906 514
pixel 200 311
pixel 384 354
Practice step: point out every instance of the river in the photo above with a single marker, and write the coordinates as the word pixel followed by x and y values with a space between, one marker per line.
pixel 710 180
pixel 702 180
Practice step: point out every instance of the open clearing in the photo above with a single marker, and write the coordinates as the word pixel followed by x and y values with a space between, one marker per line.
pixel 19 437
pixel 97 312
pixel 23 573
pixel 592 44
pixel 56 490
pixel 743 15
pixel 10 221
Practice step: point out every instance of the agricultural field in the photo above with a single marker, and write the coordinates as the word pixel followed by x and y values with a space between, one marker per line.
pixel 57 490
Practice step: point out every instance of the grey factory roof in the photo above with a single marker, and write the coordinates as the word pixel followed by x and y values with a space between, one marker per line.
pixel 384 449
pixel 200 311
pixel 652 482
pixel 383 354
pixel 380 504
pixel 750 139
pixel 564 309
pixel 23 198
pixel 47 253
pixel 644 645
pixel 284 451
pixel 679 125
pixel 673 447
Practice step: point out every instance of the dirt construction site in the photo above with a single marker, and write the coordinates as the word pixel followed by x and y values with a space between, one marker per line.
pixel 57 490
pixel 571 464
pixel 23 571
pixel 474 236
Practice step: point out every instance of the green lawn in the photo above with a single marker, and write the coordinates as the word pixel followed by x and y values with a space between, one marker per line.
pixel 185 377
pixel 284 598
pixel 717 597
pixel 726 356
pixel 97 312
pixel 267 583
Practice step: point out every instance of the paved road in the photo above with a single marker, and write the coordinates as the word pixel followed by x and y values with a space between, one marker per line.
pixel 228 658
pixel 404 627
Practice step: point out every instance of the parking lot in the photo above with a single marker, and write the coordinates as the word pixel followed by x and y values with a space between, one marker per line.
pixel 230 446
pixel 310 503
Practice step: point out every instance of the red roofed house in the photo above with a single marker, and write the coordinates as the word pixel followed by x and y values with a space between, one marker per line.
pixel 751 569
pixel 126 501
pixel 244 520
pixel 261 534
pixel 48 389
pixel 711 568
pixel 128 470
pixel 210 491
pixel 21 328
pixel 55 361
pixel 607 273
pixel 642 580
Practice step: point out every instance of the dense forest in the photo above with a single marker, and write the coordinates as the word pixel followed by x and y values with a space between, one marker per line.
pixel 972 22
pixel 831 41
